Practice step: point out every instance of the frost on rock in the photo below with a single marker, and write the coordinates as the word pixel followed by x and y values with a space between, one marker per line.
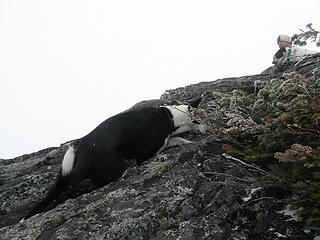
pixel 192 191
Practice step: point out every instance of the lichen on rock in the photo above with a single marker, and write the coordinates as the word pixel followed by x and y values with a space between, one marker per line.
pixel 194 191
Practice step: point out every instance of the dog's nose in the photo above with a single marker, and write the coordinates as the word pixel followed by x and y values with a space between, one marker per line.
pixel 201 128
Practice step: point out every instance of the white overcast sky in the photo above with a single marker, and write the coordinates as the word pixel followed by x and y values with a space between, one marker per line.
pixel 67 65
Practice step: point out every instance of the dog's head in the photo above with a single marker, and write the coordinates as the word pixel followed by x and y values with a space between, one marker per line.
pixel 183 118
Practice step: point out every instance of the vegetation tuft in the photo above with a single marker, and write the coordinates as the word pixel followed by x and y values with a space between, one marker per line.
pixel 277 129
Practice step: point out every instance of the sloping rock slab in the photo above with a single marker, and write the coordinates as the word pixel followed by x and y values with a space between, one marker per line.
pixel 188 192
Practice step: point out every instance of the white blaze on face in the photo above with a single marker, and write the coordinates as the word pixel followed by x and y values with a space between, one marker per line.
pixel 68 160
pixel 180 115
pixel 183 120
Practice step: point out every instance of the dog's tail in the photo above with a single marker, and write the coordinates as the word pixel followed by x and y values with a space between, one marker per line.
pixel 68 161
pixel 61 185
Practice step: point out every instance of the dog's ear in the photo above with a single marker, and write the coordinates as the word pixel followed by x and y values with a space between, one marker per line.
pixel 195 103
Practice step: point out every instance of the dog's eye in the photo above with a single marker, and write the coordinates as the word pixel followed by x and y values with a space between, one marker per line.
pixel 195 122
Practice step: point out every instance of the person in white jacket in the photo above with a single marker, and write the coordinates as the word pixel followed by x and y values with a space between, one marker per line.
pixel 288 53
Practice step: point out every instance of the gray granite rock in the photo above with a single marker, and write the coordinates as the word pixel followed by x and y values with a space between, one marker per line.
pixel 190 192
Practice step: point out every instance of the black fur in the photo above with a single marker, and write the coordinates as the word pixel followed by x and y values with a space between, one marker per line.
pixel 102 154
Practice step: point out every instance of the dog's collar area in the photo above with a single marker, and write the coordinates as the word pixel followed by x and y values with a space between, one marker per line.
pixel 170 117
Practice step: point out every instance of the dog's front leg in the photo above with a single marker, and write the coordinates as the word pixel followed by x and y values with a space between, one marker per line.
pixel 177 141
pixel 182 129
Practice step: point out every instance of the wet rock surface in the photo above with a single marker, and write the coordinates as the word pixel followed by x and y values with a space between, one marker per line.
pixel 193 191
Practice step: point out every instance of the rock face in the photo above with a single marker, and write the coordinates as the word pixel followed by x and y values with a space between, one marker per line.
pixel 190 192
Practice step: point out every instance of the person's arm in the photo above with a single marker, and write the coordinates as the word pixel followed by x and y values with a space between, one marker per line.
pixel 279 56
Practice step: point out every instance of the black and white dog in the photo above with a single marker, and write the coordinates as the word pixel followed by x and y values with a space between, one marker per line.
pixel 103 154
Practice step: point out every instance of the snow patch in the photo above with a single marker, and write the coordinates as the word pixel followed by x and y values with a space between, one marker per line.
pixel 292 213
pixel 246 199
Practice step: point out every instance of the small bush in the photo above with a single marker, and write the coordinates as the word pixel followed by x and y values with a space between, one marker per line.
pixel 280 124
